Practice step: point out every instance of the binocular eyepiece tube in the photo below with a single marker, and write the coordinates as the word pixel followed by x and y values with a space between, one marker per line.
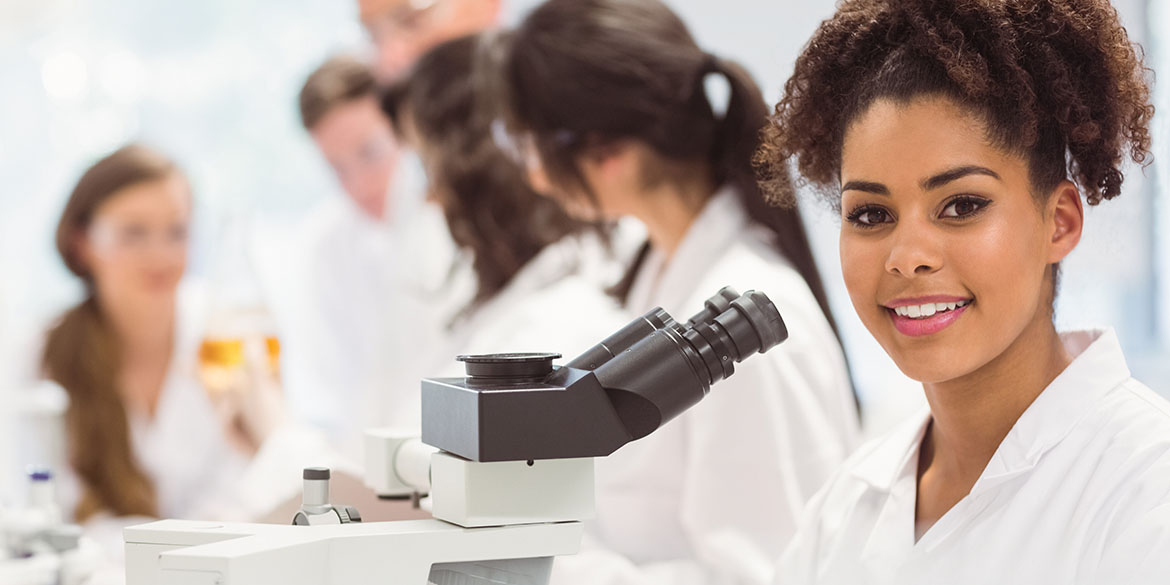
pixel 515 407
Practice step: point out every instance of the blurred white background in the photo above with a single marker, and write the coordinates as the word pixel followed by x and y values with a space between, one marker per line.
pixel 214 83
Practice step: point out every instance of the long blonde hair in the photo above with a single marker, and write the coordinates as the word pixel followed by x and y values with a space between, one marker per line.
pixel 83 354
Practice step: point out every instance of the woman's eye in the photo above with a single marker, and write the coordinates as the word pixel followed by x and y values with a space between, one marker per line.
pixel 133 234
pixel 178 233
pixel 964 206
pixel 869 216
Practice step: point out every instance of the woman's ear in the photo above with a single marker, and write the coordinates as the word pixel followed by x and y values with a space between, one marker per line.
pixel 1065 220
pixel 81 249
pixel 614 159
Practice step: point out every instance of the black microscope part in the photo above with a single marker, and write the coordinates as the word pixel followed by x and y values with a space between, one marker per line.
pixel 519 407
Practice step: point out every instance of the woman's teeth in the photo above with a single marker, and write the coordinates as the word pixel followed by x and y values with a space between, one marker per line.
pixel 928 310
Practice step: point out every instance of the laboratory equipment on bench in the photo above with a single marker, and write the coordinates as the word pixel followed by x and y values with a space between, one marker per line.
pixel 36 546
pixel 506 455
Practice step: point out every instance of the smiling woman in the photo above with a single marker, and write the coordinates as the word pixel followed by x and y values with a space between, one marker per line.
pixel 957 139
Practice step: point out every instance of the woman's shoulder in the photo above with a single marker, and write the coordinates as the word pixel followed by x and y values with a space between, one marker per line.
pixel 752 263
pixel 1132 428
pixel 567 315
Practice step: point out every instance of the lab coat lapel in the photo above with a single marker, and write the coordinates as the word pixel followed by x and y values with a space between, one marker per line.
pixel 1074 394
pixel 671 283
pixel 890 473
pixel 1098 366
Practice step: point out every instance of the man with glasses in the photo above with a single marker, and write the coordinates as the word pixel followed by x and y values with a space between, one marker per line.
pixel 367 266
pixel 381 261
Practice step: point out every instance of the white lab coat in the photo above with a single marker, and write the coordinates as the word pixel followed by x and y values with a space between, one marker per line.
pixel 362 308
pixel 555 303
pixel 1078 492
pixel 183 450
pixel 711 497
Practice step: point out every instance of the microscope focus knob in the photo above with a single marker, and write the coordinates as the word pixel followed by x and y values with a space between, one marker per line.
pixel 315 506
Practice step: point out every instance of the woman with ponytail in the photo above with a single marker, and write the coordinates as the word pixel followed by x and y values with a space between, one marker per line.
pixel 617 113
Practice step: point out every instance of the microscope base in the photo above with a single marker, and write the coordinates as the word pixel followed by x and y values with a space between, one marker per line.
pixel 174 552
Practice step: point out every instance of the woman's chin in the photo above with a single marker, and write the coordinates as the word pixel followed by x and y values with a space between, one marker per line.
pixel 932 368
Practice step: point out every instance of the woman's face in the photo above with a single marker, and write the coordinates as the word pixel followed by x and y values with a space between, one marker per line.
pixel 945 251
pixel 136 245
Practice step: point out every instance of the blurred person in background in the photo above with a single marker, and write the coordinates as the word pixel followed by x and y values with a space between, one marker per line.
pixel 371 262
pixel 403 30
pixel 535 267
pixel 143 437
pixel 616 112
pixel 382 274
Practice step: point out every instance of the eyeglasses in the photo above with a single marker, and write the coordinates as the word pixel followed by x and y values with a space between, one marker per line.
pixel 136 237
pixel 377 151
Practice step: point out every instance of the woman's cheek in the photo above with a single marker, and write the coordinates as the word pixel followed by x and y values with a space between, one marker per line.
pixel 862 267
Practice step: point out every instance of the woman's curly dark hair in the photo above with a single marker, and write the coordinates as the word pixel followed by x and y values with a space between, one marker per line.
pixel 1055 80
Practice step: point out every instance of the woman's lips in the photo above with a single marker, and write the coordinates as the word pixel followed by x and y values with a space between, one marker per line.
pixel 923 326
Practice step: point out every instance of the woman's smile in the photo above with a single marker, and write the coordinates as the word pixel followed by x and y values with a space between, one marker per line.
pixel 922 316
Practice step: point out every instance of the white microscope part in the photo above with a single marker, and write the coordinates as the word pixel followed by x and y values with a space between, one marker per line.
pixel 473 494
pixel 397 463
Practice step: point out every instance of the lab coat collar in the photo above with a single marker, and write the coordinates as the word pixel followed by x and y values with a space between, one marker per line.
pixel 889 458
pixel 1099 366
pixel 669 282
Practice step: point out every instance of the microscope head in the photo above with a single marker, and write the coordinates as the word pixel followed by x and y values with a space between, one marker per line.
pixel 520 407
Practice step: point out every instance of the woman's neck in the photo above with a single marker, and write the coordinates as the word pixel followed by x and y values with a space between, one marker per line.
pixel 142 330
pixel 146 333
pixel 972 415
pixel 669 209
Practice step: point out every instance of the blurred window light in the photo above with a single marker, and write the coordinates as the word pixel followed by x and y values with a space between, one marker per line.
pixel 122 77
pixel 65 76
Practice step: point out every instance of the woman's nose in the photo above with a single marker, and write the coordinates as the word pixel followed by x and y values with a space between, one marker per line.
pixel 915 252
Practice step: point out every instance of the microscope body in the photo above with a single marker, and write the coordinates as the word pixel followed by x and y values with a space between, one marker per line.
pixel 506 454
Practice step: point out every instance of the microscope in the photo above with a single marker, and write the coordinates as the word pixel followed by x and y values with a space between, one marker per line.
pixel 506 456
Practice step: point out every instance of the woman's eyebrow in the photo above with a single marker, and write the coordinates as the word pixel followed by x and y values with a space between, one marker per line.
pixel 955 174
pixel 866 186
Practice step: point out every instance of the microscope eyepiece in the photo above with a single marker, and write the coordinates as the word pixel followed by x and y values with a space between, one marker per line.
pixel 519 407
pixel 673 367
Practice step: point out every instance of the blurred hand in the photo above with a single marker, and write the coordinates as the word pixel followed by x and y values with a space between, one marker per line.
pixel 252 407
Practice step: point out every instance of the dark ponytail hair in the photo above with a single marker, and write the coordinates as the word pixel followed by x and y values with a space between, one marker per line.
pixel 583 73
pixel 83 354
pixel 489 206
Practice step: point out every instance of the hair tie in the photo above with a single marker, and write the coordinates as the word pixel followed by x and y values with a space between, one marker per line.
pixel 716 85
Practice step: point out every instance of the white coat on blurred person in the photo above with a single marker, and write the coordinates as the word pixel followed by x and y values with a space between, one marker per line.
pixel 618 113
pixel 724 483
pixel 362 306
